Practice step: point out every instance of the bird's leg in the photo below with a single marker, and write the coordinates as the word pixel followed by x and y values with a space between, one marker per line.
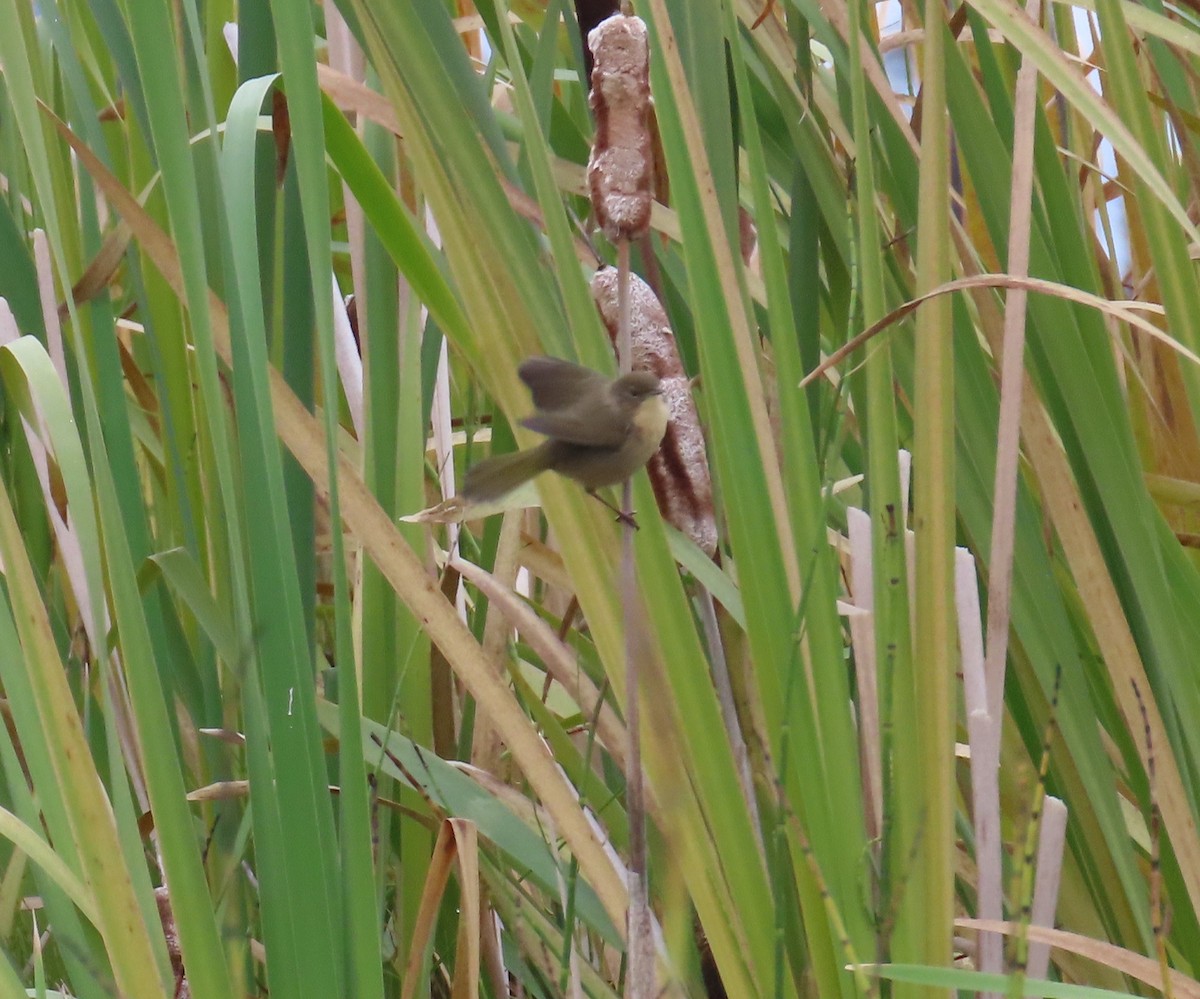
pixel 622 516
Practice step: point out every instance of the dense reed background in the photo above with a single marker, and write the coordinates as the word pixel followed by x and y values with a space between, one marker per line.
pixel 229 668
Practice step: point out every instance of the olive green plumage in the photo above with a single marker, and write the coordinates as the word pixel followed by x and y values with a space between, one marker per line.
pixel 599 430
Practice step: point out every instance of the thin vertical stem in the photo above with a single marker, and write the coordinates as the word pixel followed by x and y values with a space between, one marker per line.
pixel 1000 563
pixel 928 905
pixel 640 973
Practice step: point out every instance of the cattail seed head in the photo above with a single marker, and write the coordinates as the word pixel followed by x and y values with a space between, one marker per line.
pixel 619 169
pixel 679 470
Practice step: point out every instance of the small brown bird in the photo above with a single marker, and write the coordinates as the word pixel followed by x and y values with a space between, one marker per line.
pixel 599 430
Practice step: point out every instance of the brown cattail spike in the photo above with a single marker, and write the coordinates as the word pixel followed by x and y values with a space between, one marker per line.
pixel 619 168
pixel 679 469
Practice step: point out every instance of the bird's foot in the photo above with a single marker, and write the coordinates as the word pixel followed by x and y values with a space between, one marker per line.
pixel 623 517
pixel 627 519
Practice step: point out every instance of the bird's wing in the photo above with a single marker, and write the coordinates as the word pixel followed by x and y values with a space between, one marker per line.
pixel 557 384
pixel 570 426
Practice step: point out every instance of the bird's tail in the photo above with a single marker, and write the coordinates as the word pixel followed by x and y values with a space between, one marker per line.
pixel 495 477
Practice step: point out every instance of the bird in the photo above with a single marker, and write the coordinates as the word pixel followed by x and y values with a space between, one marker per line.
pixel 599 430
